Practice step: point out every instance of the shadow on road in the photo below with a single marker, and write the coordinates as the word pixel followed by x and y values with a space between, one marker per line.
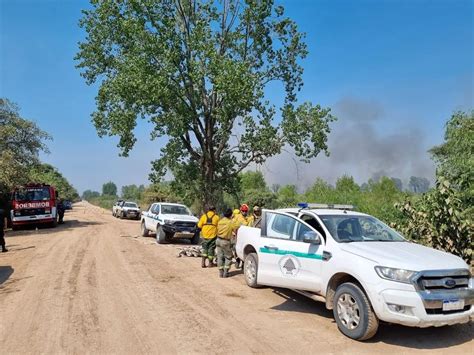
pixel 424 338
pixel 295 302
pixel 5 273
pixel 44 229
pixel 393 334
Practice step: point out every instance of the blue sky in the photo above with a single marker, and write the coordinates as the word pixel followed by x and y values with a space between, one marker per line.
pixel 393 72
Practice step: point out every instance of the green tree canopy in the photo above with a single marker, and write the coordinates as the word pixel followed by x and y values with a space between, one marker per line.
pixel 199 71
pixel 109 189
pixel 89 194
pixel 21 141
pixel 252 180
pixel 455 157
pixel 132 192
pixel 48 174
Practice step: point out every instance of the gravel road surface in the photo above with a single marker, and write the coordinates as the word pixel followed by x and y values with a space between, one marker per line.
pixel 92 285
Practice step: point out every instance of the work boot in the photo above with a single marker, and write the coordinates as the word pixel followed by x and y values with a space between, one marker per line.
pixel 225 274
pixel 221 273
pixel 4 250
pixel 203 262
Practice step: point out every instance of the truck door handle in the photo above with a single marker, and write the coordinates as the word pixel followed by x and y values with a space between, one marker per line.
pixel 271 247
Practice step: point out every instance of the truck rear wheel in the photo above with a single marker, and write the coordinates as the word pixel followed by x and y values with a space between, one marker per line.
pixel 251 270
pixel 353 312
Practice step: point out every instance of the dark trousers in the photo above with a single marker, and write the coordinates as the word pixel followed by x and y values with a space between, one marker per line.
pixel 2 238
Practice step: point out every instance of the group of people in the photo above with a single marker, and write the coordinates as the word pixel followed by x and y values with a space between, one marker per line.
pixel 219 235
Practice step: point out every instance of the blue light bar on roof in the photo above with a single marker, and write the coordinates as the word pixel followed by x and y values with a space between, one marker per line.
pixel 303 205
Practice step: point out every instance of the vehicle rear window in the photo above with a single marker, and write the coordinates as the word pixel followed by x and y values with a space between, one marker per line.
pixel 32 194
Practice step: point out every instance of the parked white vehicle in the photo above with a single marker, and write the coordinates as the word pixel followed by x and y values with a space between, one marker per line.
pixel 361 268
pixel 170 221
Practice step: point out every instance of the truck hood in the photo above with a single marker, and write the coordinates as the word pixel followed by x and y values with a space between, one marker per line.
pixel 405 255
pixel 131 209
pixel 180 217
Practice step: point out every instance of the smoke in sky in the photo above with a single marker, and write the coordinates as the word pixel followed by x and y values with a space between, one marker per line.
pixel 360 146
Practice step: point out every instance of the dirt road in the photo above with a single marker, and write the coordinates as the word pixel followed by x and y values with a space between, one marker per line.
pixel 92 285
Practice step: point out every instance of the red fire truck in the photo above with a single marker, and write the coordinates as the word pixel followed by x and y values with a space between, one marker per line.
pixel 34 204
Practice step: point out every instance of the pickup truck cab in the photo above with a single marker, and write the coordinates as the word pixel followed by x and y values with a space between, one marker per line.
pixel 362 269
pixel 170 221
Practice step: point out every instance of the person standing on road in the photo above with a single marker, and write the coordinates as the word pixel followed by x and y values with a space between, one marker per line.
pixel 208 226
pixel 61 209
pixel 225 227
pixel 240 219
pixel 2 232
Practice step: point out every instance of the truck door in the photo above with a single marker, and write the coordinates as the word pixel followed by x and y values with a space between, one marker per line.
pixel 151 217
pixel 284 258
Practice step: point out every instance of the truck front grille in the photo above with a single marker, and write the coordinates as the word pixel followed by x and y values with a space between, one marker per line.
pixel 185 224
pixel 442 280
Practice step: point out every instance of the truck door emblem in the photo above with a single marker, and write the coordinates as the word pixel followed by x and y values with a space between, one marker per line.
pixel 289 265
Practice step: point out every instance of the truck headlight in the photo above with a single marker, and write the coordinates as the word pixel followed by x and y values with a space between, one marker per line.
pixel 398 275
pixel 471 282
pixel 169 221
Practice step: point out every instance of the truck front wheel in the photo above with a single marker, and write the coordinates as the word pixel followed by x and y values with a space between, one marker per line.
pixel 160 235
pixel 353 312
pixel 145 232
pixel 251 270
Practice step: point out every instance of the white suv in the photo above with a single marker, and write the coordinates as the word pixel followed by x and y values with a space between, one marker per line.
pixel 361 268
pixel 170 221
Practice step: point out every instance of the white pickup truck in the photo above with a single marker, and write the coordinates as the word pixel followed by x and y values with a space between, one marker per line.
pixel 362 269
pixel 170 221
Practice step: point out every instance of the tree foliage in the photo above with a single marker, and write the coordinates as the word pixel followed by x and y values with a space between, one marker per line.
pixel 132 192
pixel 89 195
pixel 418 185
pixel 48 174
pixel 455 157
pixel 21 141
pixel 199 71
pixel 436 219
pixel 109 189
pixel 443 217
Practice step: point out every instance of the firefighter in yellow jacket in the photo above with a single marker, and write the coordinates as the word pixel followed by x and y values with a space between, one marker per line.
pixel 225 228
pixel 240 219
pixel 208 226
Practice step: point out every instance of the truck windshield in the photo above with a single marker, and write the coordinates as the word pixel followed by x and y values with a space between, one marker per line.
pixel 131 205
pixel 175 209
pixel 351 228
pixel 32 194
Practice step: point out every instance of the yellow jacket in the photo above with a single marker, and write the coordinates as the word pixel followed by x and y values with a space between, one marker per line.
pixel 241 220
pixel 225 227
pixel 208 225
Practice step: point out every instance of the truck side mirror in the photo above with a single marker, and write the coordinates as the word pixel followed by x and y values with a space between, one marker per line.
pixel 312 237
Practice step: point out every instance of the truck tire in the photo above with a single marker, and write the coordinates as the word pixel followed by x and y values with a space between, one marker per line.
pixel 122 215
pixel 160 235
pixel 196 238
pixel 145 232
pixel 353 312
pixel 251 270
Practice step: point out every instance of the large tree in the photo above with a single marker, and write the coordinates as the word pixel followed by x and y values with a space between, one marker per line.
pixel 201 72
pixel 21 141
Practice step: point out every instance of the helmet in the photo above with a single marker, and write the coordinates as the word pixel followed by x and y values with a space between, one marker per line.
pixel 244 208
pixel 256 208
pixel 236 212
